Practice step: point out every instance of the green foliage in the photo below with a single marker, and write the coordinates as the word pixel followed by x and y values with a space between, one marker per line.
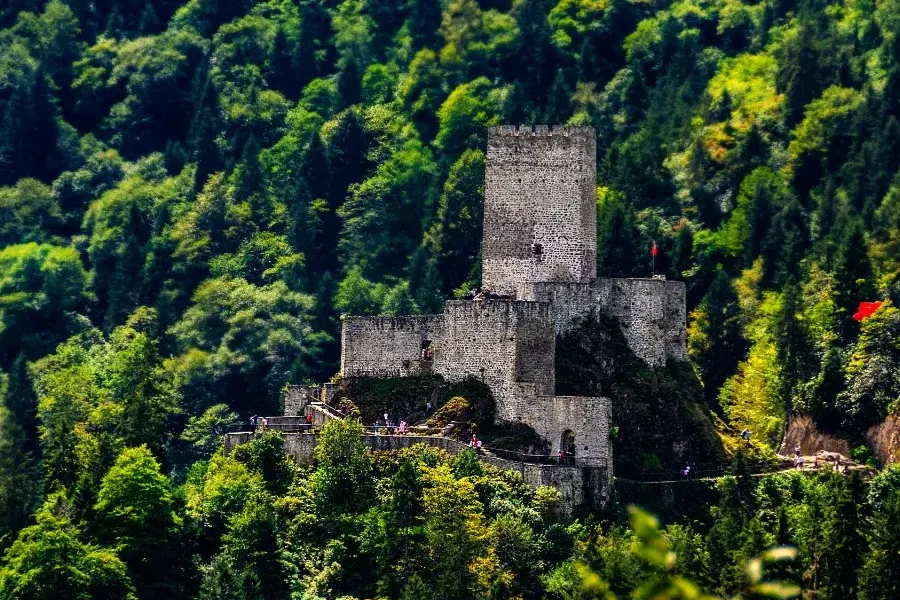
pixel 194 191
pixel 50 559
pixel 265 455
pixel 204 432
pixel 134 514
pixel 406 398
pixel 40 287
pixel 342 482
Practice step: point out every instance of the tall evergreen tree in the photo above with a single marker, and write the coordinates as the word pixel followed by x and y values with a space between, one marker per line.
pixel 559 101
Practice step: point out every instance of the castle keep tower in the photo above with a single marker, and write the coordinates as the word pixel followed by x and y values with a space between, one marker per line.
pixel 540 207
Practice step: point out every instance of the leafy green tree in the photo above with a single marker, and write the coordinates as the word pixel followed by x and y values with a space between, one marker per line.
pixel 40 287
pixel 204 432
pixel 134 514
pixel 50 560
pixel 265 455
pixel 239 334
pixel 342 481
pixel 29 213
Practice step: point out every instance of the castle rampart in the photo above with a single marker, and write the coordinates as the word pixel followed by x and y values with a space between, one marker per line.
pixel 386 346
pixel 651 311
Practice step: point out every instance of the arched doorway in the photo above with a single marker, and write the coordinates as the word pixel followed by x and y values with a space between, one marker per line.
pixel 567 447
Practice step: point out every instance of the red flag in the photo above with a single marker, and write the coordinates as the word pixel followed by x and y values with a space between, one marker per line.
pixel 866 309
pixel 653 250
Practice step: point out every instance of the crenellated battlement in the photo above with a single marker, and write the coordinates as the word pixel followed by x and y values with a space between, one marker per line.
pixel 573 131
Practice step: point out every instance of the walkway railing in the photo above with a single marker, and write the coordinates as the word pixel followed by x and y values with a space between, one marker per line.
pixel 661 476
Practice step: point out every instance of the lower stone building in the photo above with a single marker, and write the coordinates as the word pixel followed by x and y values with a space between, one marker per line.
pixel 510 345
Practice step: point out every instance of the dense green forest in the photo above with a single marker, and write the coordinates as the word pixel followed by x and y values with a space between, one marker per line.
pixel 193 192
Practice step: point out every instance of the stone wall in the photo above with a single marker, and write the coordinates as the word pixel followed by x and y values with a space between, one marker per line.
pixel 588 419
pixel 652 312
pixel 296 397
pixel 510 345
pixel 540 206
pixel 386 346
pixel 653 315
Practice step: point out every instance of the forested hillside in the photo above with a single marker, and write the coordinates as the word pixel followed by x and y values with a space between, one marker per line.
pixel 193 192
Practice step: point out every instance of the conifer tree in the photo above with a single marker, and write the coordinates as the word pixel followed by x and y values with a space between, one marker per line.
pixel 559 101
pixel 424 21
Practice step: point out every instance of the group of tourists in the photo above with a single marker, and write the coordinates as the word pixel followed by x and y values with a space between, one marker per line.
pixel 390 427
pixel 838 466
pixel 479 294
pixel 257 422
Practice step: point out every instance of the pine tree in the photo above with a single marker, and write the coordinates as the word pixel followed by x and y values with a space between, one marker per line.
pixel 792 343
pixel 852 269
pixel 124 288
pixel 537 58
pixel 843 543
pixel 587 63
pixel 283 75
pixel 20 399
pixel 349 86
pixel 19 478
pixel 424 21
pixel 559 101
pixel 149 22
pixel 716 343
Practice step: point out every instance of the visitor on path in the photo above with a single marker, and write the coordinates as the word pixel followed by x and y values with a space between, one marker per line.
pixel 686 471
pixel 746 435
pixel 478 446
pixel 837 464
pixel 376 426
pixel 428 408
pixel 797 451
pixel 561 458
pixel 253 420
pixel 816 462
pixel 265 423
pixel 402 427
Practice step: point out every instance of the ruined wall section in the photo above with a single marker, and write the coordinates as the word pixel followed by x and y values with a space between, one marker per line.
pixel 653 315
pixel 387 346
pixel 652 312
pixel 540 207
pixel 509 345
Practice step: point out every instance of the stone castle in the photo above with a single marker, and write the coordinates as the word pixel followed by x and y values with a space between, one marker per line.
pixel 539 265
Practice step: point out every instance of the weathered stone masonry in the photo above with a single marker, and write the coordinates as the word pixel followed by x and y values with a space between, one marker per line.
pixel 539 249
